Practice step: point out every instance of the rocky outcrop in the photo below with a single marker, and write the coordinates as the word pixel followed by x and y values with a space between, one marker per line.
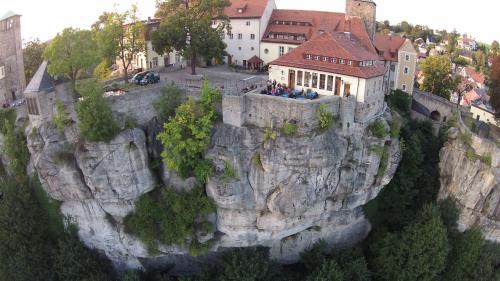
pixel 470 174
pixel 291 192
pixel 97 184
pixel 286 193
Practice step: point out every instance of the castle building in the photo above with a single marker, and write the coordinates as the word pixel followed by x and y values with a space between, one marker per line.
pixel 400 60
pixel 12 79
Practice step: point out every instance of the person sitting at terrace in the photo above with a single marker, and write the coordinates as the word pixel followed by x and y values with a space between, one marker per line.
pixel 273 91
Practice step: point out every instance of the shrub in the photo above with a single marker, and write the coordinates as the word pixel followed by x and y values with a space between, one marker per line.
pixel 168 216
pixel 289 129
pixel 256 160
pixel 187 135
pixel 7 114
pixel 196 248
pixel 486 159
pixel 102 70
pixel 466 138
pixel 395 128
pixel 377 129
pixel 203 170
pixel 325 118
pixel 130 122
pixel 377 149
pixel 384 162
pixel 170 99
pixel 229 172
pixel 95 118
pixel 270 134
pixel 61 119
pixel 16 151
pixel 400 101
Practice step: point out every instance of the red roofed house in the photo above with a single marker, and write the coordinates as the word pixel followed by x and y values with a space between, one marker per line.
pixel 334 63
pixel 259 29
pixel 472 76
pixel 400 60
pixel 249 19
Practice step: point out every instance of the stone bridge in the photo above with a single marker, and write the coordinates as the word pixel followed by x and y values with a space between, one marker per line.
pixel 426 106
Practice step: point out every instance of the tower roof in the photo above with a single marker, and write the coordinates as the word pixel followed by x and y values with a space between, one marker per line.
pixel 9 14
pixel 41 81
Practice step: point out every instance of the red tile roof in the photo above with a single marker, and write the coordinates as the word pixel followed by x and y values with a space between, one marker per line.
pixel 388 46
pixel 333 45
pixel 250 8
pixel 309 23
pixel 472 74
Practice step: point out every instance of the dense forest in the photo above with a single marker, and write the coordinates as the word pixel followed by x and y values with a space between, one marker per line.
pixel 414 237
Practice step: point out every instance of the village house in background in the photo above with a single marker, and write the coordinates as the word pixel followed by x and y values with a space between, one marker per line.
pixel 467 43
pixel 400 60
pixel 12 78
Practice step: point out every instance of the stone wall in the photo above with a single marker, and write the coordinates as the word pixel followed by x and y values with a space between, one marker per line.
pixel 263 111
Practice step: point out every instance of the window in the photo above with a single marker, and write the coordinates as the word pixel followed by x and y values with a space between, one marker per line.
pixel 32 106
pixel 307 79
pixel 239 48
pixel 281 50
pixel 308 57
pixel 155 62
pixel 347 90
pixel 314 83
pixel 404 87
pixel 240 36
pixel 252 36
pixel 393 67
pixel 299 78
pixel 252 48
pixel 407 70
pixel 2 72
pixel 266 51
pixel 333 60
pixel 350 62
pixel 325 59
pixel 329 83
pixel 240 11
pixel 322 78
pixel 317 58
pixel 231 36
pixel 248 23
pixel 407 57
pixel 342 61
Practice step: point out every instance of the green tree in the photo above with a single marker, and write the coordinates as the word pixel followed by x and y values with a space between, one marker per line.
pixel 329 270
pixel 246 264
pixel 15 149
pixel 452 41
pixel 61 117
pixel 480 60
pixel 25 247
pixel 417 253
pixel 495 86
pixel 75 262
pixel 32 57
pixel 495 48
pixel 187 135
pixel 186 27
pixel 95 118
pixel 464 257
pixel 70 53
pixel 122 36
pixel 167 103
pixel 438 76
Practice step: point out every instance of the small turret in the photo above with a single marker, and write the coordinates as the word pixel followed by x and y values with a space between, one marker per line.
pixel 367 11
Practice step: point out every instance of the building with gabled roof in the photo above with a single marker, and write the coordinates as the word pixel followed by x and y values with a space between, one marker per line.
pixel 400 59
pixel 40 95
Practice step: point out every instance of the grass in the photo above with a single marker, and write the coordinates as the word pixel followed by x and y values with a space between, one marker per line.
pixel 289 129
pixel 130 122
pixel 229 172
pixel 473 156
pixel 270 134
pixel 395 128
pixel 377 149
pixel 256 160
pixel 377 129
pixel 466 138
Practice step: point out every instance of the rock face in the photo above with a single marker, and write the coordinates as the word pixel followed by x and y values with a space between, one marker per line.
pixel 474 184
pixel 285 193
pixel 97 184
pixel 289 193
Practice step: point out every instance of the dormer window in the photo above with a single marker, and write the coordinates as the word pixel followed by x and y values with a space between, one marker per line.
pixel 342 61
pixel 333 60
pixel 316 57
pixel 308 57
pixel 350 62
pixel 325 59
pixel 240 11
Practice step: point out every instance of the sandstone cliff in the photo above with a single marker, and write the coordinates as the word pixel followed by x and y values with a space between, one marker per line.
pixel 285 193
pixel 470 173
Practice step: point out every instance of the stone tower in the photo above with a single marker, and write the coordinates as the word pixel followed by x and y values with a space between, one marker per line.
pixel 367 11
pixel 12 79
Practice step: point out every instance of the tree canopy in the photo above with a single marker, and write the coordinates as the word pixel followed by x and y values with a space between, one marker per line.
pixel 120 35
pixel 438 76
pixel 33 57
pixel 70 53
pixel 495 86
pixel 187 27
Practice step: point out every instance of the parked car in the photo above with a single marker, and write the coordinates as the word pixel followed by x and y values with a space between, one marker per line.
pixel 151 77
pixel 138 77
